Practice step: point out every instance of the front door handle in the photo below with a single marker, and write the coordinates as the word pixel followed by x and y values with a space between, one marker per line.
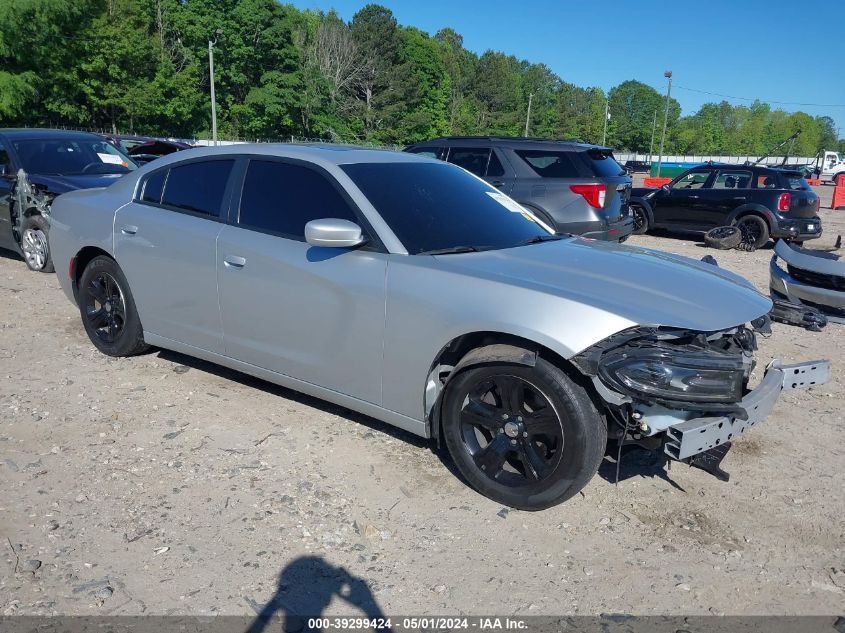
pixel 129 229
pixel 498 183
pixel 694 197
pixel 233 261
pixel 739 198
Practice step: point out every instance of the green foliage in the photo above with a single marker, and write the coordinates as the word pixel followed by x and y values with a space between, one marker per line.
pixel 142 66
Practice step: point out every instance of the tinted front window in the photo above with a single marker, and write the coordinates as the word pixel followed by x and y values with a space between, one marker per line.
pixel 431 207
pixel 550 164
pixel 72 157
pixel 282 198
pixel 198 187
pixel 692 180
pixel 472 159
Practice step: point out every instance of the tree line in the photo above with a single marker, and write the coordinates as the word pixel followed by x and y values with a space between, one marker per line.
pixel 141 66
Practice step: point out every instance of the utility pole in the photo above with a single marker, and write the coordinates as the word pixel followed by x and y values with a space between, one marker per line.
pixel 668 75
pixel 606 119
pixel 211 44
pixel 651 145
pixel 528 114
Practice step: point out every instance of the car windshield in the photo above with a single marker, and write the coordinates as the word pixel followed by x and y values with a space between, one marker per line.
pixel 72 157
pixel 438 207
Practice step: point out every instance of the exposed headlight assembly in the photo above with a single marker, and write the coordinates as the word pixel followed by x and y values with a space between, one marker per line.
pixel 673 376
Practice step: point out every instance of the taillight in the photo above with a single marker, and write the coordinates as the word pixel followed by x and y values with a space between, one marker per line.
pixel 784 201
pixel 593 194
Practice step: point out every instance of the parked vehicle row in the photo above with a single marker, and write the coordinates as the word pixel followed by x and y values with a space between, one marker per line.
pixel 572 187
pixel 763 202
pixel 405 288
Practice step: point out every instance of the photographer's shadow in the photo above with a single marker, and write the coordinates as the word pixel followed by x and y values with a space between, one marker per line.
pixel 306 587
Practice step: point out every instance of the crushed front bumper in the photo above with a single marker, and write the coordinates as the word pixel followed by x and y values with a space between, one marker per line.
pixel 698 435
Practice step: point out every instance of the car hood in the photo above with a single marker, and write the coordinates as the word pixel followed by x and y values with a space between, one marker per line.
pixel 644 286
pixel 62 184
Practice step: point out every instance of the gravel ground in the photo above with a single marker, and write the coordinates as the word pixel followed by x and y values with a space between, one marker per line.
pixel 164 485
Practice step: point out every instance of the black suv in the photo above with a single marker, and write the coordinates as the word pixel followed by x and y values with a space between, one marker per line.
pixel 762 201
pixel 637 166
pixel 573 187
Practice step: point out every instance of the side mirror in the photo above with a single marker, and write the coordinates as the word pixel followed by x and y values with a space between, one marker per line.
pixel 333 233
pixel 664 188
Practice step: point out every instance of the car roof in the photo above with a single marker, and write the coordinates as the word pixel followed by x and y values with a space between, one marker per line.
pixel 35 133
pixel 770 169
pixel 514 142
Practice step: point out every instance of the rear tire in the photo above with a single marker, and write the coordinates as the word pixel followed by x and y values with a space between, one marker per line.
pixel 35 246
pixel 723 238
pixel 108 309
pixel 526 437
pixel 754 232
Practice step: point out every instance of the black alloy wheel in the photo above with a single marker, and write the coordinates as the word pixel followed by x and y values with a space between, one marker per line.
pixel 528 437
pixel 640 219
pixel 108 309
pixel 754 232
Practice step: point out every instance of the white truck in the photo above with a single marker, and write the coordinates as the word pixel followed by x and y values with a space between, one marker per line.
pixel 828 165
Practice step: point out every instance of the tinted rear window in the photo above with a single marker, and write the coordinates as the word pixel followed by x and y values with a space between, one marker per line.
pixel 153 186
pixel 604 164
pixel 198 187
pixel 431 206
pixel 795 182
pixel 282 198
pixel 550 164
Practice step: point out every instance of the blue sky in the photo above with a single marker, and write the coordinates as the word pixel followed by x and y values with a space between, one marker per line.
pixel 746 48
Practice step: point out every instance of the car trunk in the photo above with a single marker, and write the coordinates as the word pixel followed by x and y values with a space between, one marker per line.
pixel 803 201
pixel 613 176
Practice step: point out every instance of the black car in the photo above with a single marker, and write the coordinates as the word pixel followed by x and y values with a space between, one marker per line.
pixel 764 202
pixel 573 187
pixel 37 165
pixel 637 166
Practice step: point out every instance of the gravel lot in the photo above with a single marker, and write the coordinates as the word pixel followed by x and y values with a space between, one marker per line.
pixel 165 485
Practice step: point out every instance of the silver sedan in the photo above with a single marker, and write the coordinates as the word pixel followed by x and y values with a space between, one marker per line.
pixel 409 290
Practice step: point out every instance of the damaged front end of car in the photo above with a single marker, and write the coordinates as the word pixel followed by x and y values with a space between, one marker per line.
pixel 687 392
pixel 28 198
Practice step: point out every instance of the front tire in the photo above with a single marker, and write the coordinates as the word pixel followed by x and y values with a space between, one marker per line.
pixel 34 244
pixel 640 219
pixel 526 437
pixel 754 232
pixel 108 309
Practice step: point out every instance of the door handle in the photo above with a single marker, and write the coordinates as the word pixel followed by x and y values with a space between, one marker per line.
pixel 498 183
pixel 740 198
pixel 233 261
pixel 694 197
pixel 129 229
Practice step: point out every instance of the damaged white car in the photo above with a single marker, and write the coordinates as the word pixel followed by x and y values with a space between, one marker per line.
pixel 37 165
pixel 409 290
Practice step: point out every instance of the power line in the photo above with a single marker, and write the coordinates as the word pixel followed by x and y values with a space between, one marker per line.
pixel 794 103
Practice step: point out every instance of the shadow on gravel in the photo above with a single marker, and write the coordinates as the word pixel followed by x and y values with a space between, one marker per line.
pixel 636 462
pixel 306 587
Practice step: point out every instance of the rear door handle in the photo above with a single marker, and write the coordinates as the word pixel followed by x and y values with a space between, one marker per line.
pixel 129 229
pixel 498 183
pixel 233 261
pixel 740 198
pixel 694 197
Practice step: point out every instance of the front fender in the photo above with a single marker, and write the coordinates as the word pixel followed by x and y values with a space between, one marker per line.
pixel 645 204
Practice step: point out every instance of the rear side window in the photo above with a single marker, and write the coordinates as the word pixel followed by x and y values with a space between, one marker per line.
pixel 769 181
pixel 473 159
pixel 735 179
pixel 494 167
pixel 153 187
pixel 550 164
pixel 281 198
pixel 430 152
pixel 604 165
pixel 198 187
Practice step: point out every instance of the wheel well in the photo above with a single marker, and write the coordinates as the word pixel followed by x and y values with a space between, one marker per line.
pixel 759 214
pixel 641 202
pixel 82 259
pixel 451 354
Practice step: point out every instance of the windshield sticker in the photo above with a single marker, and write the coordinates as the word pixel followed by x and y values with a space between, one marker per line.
pixel 111 159
pixel 506 202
